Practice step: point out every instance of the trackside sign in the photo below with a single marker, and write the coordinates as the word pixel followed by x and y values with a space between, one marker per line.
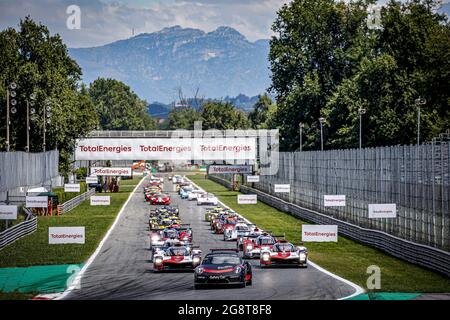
pixel 319 233
pixel 334 200
pixel 124 172
pixel 72 187
pixel 64 235
pixel 8 212
pixel 283 188
pixel 100 200
pixel 238 169
pixel 36 202
pixel 383 210
pixel 252 178
pixel 228 148
pixel 247 199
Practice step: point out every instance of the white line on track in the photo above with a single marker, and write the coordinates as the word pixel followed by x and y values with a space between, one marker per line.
pixel 77 281
pixel 358 290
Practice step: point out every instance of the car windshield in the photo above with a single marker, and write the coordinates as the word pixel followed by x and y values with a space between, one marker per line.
pixel 170 233
pixel 284 247
pixel 178 251
pixel 187 189
pixel 241 228
pixel 224 260
pixel 266 241
pixel 166 222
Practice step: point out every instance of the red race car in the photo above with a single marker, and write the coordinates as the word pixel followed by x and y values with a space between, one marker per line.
pixel 159 199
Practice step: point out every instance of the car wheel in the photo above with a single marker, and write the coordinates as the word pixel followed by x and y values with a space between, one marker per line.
pixel 250 282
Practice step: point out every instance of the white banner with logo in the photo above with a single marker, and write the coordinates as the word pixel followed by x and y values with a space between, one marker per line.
pixel 36 202
pixel 252 178
pixel 8 212
pixel 319 233
pixel 283 188
pixel 72 187
pixel 174 148
pixel 90 180
pixel 382 210
pixel 334 200
pixel 100 200
pixel 64 235
pixel 234 169
pixel 247 199
pixel 107 171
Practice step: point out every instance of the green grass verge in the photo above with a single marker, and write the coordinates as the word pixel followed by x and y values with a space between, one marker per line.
pixel 345 258
pixel 35 250
pixel 17 295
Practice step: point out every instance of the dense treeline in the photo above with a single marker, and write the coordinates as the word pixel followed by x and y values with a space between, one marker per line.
pixel 326 62
pixel 39 64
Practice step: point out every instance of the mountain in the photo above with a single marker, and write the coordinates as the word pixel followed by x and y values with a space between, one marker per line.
pixel 220 63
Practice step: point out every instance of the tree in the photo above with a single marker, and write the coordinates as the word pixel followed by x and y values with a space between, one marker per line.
pixel 183 118
pixel 223 116
pixel 118 107
pixel 261 113
pixel 39 63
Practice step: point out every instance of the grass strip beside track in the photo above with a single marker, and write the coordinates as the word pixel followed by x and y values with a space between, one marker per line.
pixel 34 249
pixel 345 258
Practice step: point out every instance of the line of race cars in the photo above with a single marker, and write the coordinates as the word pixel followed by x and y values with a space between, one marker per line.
pixel 171 242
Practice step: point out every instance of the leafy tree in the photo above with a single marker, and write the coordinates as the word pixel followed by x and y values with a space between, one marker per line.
pixel 262 111
pixel 183 118
pixel 118 107
pixel 39 63
pixel 223 116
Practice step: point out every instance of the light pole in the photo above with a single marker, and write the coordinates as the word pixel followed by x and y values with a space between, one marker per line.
pixel 10 99
pixel 301 125
pixel 30 103
pixel 322 121
pixel 419 102
pixel 47 119
pixel 361 111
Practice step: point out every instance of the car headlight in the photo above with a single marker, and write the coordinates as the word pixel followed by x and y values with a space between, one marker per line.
pixel 196 260
pixel 155 238
pixel 249 247
pixel 200 270
pixel 266 257
pixel 302 256
pixel 185 238
pixel 237 269
pixel 158 260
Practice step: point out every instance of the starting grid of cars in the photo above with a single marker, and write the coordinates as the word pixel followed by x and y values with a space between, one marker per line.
pixel 172 247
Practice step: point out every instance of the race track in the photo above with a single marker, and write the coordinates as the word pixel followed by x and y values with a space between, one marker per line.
pixel 122 269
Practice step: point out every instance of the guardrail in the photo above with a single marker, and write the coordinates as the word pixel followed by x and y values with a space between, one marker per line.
pixel 18 231
pixel 74 202
pixel 426 256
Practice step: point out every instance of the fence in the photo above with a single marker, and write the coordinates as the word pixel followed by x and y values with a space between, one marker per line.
pixel 18 231
pixel 74 202
pixel 435 259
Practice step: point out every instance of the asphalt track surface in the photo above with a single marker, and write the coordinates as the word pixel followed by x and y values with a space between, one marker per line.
pixel 123 269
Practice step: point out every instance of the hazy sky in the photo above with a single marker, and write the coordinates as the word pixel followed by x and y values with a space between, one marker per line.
pixel 104 21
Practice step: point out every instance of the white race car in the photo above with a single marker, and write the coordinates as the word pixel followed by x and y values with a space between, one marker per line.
pixel 239 230
pixel 195 193
pixel 284 253
pixel 208 198
pixel 177 257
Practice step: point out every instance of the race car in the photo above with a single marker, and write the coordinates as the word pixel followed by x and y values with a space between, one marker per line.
pixel 284 253
pixel 207 198
pixel 252 246
pixel 184 191
pixel 223 266
pixel 160 224
pixel 182 185
pixel 158 238
pixel 176 257
pixel 233 232
pixel 194 194
pixel 213 213
pixel 159 198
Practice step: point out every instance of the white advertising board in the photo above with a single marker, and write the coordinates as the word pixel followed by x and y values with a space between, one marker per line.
pixel 72 187
pixel 174 148
pixel 283 188
pixel 64 235
pixel 382 210
pixel 100 200
pixel 107 171
pixel 334 200
pixel 247 199
pixel 319 233
pixel 91 180
pixel 234 169
pixel 36 202
pixel 8 212
pixel 252 178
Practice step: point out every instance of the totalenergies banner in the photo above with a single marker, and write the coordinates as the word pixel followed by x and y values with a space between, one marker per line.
pixel 227 148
